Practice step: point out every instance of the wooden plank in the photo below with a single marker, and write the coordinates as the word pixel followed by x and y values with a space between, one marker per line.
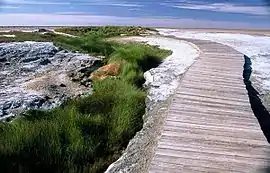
pixel 210 126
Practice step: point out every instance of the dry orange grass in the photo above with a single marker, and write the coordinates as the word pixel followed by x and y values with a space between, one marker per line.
pixel 102 73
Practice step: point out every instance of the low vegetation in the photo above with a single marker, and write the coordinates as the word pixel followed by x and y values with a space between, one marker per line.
pixel 29 36
pixel 91 43
pixel 86 134
pixel 107 31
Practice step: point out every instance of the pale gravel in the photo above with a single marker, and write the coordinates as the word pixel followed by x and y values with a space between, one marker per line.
pixel 8 35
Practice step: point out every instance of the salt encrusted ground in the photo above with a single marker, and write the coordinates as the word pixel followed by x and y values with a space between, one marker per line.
pixel 254 46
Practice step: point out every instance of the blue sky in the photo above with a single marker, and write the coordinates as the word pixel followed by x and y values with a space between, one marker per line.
pixel 174 13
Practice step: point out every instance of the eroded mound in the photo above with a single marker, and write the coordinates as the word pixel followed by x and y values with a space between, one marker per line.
pixel 40 75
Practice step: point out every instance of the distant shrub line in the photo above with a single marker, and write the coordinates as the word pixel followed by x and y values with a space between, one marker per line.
pixel 106 31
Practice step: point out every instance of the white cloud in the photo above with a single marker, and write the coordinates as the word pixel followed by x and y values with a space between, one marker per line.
pixel 111 4
pixel 35 2
pixel 84 20
pixel 134 9
pixel 71 13
pixel 50 2
pixel 8 7
pixel 222 7
pixel 126 5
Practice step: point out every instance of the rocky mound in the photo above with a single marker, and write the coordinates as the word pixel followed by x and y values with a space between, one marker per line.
pixel 38 75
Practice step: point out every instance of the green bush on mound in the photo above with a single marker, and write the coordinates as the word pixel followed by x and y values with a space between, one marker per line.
pixel 106 31
pixel 86 134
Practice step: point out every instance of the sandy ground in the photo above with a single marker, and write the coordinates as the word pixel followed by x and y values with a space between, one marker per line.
pixel 233 31
pixel 64 34
pixel 25 29
pixel 8 35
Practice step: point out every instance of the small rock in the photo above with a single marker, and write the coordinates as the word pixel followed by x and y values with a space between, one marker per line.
pixel 53 87
pixel 7 105
pixel 47 98
pixel 16 104
pixel 71 74
pixel 86 82
pixel 62 85
pixel 42 30
pixel 64 51
pixel 36 102
pixel 45 62
pixel 3 59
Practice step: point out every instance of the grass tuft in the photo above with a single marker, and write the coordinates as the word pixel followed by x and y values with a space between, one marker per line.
pixel 86 134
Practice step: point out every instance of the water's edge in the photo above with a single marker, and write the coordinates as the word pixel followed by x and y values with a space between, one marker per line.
pixel 256 103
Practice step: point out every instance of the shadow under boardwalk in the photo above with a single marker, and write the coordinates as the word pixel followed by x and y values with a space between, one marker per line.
pixel 211 126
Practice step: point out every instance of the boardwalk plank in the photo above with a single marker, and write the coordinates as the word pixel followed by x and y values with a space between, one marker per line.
pixel 210 126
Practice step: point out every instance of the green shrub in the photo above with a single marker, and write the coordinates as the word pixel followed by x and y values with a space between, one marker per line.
pixel 85 134
pixel 137 59
pixel 92 44
pixel 77 135
pixel 106 31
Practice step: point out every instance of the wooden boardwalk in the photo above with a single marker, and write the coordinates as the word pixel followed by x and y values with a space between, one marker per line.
pixel 210 126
